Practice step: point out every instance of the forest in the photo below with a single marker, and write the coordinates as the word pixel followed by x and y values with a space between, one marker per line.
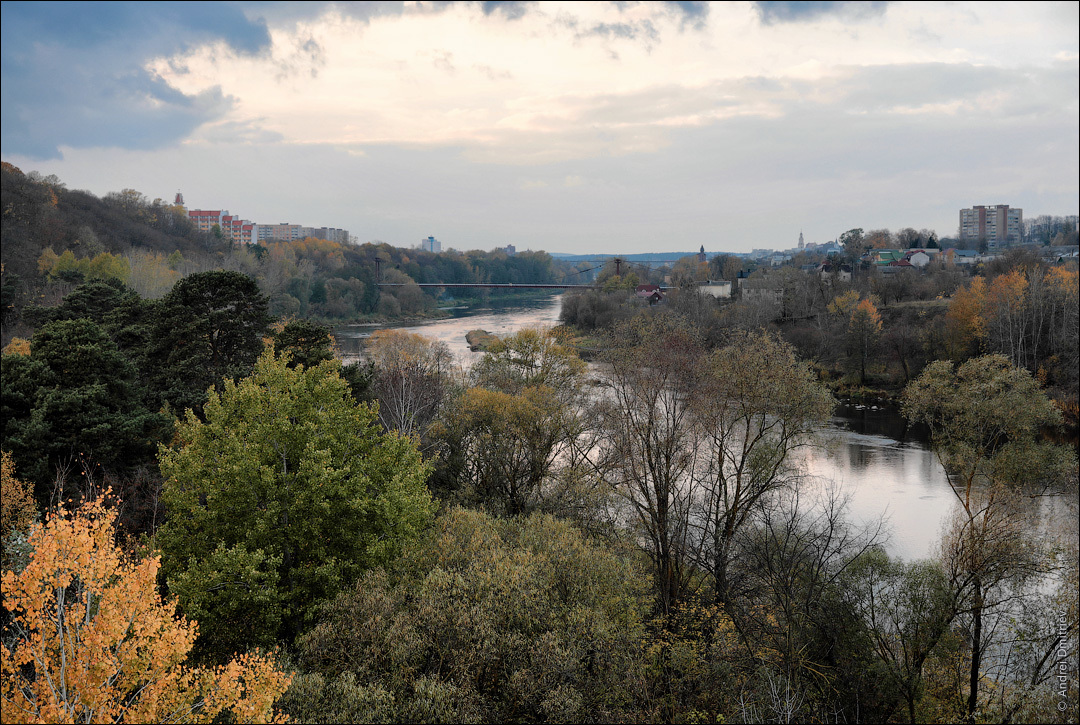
pixel 207 517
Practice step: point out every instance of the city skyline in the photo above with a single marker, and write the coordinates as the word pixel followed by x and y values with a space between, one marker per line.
pixel 606 128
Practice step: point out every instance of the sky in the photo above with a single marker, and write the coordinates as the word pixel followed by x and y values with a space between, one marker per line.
pixel 581 128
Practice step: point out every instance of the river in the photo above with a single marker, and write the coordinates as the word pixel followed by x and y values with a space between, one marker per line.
pixel 884 467
pixel 497 319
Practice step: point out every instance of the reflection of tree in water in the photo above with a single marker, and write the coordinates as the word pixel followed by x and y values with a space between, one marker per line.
pixel 881 420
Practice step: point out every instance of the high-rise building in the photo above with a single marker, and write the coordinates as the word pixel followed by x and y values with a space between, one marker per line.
pixel 431 244
pixel 997 225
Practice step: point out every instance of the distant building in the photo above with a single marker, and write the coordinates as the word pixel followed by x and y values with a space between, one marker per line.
pixel 205 219
pixel 650 292
pixel 998 225
pixel 701 255
pixel 284 232
pixel 718 288
pixel 431 244
pixel 918 258
pixel 835 270
pixel 762 288
pixel 802 244
pixel 239 231
pixel 510 250
pixel 332 234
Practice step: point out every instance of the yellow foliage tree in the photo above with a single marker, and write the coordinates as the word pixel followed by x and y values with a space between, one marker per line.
pixel 17 346
pixel 94 642
pixel 1007 324
pixel 17 508
pixel 966 320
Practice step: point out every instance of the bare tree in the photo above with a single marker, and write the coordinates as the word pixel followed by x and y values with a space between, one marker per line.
pixel 651 445
pixel 411 373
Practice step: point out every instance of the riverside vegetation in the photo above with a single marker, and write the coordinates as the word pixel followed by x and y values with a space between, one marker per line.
pixel 206 516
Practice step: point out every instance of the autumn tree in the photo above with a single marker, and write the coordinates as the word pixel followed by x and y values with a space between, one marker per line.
pixel 516 434
pixel 531 357
pixel 283 496
pixel 91 640
pixel 509 445
pixel 863 333
pixel 966 320
pixel 985 418
pixel 17 507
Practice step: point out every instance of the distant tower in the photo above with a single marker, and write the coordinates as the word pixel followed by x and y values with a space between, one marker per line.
pixel 701 254
pixel 802 244
pixel 179 200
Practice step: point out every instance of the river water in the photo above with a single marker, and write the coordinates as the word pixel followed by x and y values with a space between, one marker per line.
pixel 868 453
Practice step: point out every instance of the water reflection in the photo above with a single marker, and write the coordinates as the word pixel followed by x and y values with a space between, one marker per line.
pixel 900 480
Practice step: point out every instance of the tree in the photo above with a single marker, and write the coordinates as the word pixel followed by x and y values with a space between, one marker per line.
pixel 307 343
pixel 510 444
pixel 966 320
pixel 864 330
pixel 210 326
pixel 76 396
pixel 283 496
pixel 91 641
pixel 410 379
pixel 907 608
pixel 486 620
pixel 517 433
pixel 754 404
pixel 17 508
pixel 985 417
pixel 531 357
pixel 852 241
pixel 813 662
pixel 650 444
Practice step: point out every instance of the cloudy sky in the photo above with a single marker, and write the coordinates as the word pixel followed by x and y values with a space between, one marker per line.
pixel 607 127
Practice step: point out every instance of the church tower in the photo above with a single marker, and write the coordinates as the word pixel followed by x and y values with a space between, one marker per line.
pixel 802 244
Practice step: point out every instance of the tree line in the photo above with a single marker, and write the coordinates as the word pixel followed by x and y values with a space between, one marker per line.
pixel 56 238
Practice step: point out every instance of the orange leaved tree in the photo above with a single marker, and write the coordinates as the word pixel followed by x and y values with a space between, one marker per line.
pixel 90 640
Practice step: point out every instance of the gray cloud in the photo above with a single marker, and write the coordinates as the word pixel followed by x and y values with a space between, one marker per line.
pixel 793 12
pixel 72 72
pixel 509 9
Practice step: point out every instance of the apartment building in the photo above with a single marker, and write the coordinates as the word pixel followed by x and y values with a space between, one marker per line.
pixel 998 225
pixel 282 232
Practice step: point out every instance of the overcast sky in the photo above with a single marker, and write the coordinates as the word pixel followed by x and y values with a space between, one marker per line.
pixel 609 127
